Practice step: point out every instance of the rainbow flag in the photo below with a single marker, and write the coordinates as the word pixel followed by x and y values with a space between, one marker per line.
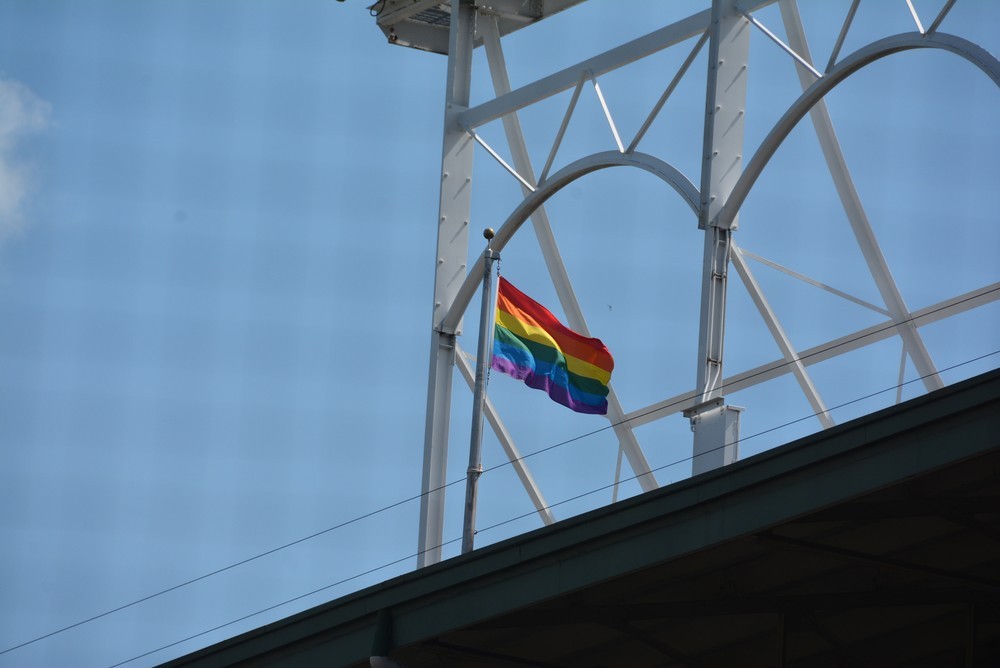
pixel 530 344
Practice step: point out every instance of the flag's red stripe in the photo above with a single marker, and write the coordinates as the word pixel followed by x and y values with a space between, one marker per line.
pixel 524 308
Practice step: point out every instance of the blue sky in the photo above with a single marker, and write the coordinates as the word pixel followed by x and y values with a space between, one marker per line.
pixel 217 228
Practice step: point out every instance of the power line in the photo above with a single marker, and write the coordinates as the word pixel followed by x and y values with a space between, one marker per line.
pixel 225 568
pixel 278 605
pixel 741 440
pixel 693 395
pixel 507 463
pixel 525 515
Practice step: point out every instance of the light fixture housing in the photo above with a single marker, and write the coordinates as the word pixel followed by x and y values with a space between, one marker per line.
pixel 423 24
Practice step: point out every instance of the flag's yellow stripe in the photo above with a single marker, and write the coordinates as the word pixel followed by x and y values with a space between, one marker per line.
pixel 535 333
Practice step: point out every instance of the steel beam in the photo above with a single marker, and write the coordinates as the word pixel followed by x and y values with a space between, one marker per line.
pixel 973 53
pixel 565 176
pixel 824 351
pixel 514 455
pixel 851 201
pixel 722 161
pixel 553 259
pixel 603 63
pixel 811 281
pixel 784 343
pixel 452 248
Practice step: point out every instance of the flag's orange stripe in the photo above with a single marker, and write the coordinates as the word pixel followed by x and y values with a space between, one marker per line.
pixel 524 308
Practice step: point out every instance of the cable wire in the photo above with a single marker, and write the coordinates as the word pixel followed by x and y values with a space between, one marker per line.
pixel 286 602
pixel 695 394
pixel 229 567
pixel 610 425
pixel 533 512
pixel 740 440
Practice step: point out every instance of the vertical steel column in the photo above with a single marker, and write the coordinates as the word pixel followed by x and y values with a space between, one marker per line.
pixel 452 249
pixel 722 163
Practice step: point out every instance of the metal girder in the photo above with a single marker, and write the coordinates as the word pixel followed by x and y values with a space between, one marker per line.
pixel 603 63
pixel 507 443
pixel 971 52
pixel 722 162
pixel 724 187
pixel 855 211
pixel 820 353
pixel 784 343
pixel 452 246
pixel 557 142
pixel 553 259
pixel 842 35
pixel 805 279
pixel 641 132
pixel 565 176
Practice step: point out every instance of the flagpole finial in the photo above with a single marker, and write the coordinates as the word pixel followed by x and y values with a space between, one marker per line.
pixel 488 233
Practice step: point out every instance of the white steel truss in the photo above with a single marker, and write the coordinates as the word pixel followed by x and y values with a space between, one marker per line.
pixel 725 182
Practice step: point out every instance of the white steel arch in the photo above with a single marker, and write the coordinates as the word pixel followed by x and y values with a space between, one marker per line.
pixel 564 177
pixel 725 185
pixel 971 52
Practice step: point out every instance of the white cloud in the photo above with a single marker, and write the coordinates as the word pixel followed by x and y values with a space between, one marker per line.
pixel 22 113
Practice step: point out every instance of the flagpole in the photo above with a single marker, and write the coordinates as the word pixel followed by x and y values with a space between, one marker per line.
pixel 483 354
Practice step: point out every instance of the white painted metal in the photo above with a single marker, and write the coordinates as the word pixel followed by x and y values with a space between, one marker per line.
pixel 507 443
pixel 719 428
pixel 452 247
pixel 726 180
pixel 618 474
pixel 666 93
pixel 825 351
pixel 503 163
pixel 843 35
pixel 974 54
pixel 916 19
pixel 940 17
pixel 902 374
pixel 553 260
pixel 607 115
pixel 562 127
pixel 851 201
pixel 813 282
pixel 565 176
pixel 483 357
pixel 784 47
pixel 722 158
pixel 712 329
pixel 599 65
pixel 788 351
